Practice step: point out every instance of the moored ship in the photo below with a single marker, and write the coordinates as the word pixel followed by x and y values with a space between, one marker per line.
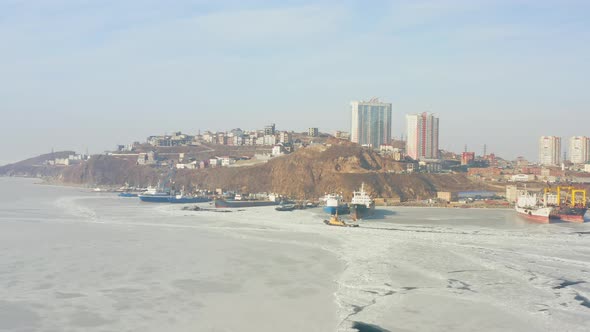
pixel 570 203
pixel 361 205
pixel 155 195
pixel 184 199
pixel 239 203
pixel 533 207
pixel 334 204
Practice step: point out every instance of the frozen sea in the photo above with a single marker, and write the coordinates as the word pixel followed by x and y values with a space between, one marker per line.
pixel 73 260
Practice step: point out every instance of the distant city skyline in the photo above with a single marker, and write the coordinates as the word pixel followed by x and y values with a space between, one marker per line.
pixel 91 75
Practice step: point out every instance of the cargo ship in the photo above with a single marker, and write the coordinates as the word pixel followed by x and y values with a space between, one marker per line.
pixel 184 199
pixel 334 203
pixel 361 205
pixel 570 203
pixel 155 195
pixel 239 203
pixel 533 207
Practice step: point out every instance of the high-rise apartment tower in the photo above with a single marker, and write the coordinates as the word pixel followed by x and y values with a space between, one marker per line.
pixel 422 132
pixel 550 150
pixel 371 123
pixel 579 149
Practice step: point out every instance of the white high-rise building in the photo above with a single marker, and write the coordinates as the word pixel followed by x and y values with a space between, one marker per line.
pixel 579 149
pixel 550 150
pixel 422 132
pixel 371 123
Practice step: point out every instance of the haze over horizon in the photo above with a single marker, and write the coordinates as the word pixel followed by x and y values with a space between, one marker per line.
pixel 89 75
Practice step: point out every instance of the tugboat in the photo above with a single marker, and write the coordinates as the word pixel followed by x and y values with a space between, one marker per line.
pixel 361 205
pixel 336 221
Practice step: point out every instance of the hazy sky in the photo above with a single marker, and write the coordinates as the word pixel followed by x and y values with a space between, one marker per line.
pixel 77 74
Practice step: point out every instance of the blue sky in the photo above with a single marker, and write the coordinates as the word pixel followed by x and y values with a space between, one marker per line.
pixel 93 74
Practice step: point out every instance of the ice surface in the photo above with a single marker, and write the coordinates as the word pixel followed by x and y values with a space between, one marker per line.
pixel 77 261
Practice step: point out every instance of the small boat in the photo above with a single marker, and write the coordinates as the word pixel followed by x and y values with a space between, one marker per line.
pixel 127 194
pixel 336 221
pixel 286 207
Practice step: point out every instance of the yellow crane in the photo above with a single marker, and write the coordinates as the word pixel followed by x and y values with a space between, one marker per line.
pixel 574 193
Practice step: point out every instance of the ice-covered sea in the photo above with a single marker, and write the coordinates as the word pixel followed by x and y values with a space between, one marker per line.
pixel 72 260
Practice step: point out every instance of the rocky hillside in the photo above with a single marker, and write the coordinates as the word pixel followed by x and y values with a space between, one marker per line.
pixel 112 171
pixel 35 167
pixel 312 172
pixel 307 174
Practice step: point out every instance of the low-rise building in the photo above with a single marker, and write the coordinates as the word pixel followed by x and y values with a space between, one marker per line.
pixel 511 193
pixel 447 196
pixel 176 139
pixel 285 137
pixel 484 171
pixel 214 162
pixel 146 158
pixel 522 178
pixel 227 161
pixel 191 165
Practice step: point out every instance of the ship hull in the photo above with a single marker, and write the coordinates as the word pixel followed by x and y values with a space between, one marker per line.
pixel 359 211
pixel 541 215
pixel 342 209
pixel 571 214
pixel 221 203
pixel 187 200
pixel 154 199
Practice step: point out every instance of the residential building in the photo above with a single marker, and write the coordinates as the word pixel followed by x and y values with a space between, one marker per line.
pixel 371 123
pixel 176 139
pixel 269 140
pixel 579 149
pixel 422 136
pixel 285 137
pixel 313 132
pixel 341 134
pixel 270 129
pixel 550 150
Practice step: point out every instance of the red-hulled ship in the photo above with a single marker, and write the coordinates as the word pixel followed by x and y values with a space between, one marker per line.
pixel 570 203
